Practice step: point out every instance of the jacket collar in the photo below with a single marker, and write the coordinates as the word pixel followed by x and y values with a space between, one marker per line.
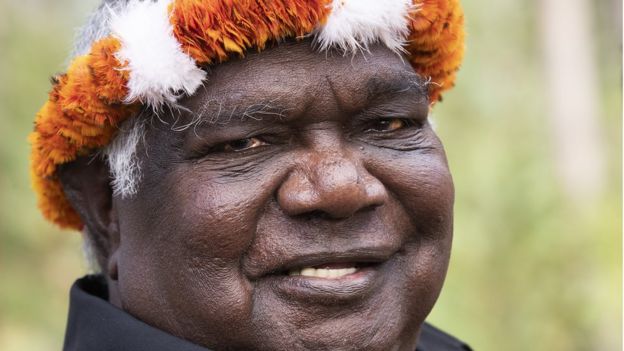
pixel 96 325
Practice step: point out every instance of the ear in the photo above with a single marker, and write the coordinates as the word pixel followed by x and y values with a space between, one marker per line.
pixel 86 183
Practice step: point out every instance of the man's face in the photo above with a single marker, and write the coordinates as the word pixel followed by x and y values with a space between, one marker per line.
pixel 302 202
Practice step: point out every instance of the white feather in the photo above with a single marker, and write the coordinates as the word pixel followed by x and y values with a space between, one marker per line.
pixel 353 25
pixel 159 70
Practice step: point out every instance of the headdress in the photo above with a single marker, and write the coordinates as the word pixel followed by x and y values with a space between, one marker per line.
pixel 156 50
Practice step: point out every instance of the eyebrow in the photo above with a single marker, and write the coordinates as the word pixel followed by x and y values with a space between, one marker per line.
pixel 214 112
pixel 398 83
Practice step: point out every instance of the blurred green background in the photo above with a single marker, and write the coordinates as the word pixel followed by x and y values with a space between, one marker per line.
pixel 533 135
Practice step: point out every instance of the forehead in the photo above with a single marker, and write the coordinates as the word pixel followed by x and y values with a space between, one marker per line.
pixel 294 76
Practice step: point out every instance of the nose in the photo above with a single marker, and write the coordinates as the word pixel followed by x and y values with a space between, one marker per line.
pixel 331 186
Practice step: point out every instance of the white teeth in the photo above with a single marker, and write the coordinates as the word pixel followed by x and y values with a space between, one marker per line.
pixel 323 272
pixel 308 272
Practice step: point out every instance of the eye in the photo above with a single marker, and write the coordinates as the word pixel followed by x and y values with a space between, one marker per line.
pixel 389 124
pixel 241 144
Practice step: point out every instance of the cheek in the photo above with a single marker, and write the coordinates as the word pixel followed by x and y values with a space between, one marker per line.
pixel 423 186
pixel 202 218
pixel 218 221
pixel 422 183
pixel 185 243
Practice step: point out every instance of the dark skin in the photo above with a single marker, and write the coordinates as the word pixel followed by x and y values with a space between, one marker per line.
pixel 292 159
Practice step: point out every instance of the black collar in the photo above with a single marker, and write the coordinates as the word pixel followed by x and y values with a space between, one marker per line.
pixel 96 325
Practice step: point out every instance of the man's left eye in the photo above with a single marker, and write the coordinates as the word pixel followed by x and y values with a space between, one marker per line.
pixel 389 124
pixel 242 144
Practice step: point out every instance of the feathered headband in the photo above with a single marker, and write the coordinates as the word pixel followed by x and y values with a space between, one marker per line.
pixel 156 49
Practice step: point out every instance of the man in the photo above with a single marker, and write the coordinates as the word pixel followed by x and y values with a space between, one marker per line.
pixel 254 175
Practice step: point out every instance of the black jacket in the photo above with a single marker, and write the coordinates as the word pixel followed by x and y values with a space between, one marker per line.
pixel 96 325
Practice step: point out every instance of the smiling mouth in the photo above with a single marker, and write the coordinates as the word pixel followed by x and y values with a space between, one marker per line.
pixel 331 279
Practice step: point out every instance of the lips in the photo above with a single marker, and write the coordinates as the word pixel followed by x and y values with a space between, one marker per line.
pixel 328 277
pixel 324 264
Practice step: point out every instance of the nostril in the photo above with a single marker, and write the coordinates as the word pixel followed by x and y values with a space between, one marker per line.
pixel 316 214
pixel 370 208
pixel 335 215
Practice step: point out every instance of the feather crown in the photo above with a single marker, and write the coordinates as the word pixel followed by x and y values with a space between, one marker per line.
pixel 156 48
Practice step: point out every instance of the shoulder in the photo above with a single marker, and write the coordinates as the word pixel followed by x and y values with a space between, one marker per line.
pixel 433 339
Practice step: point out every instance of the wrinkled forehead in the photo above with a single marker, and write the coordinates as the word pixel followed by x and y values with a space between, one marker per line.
pixel 294 76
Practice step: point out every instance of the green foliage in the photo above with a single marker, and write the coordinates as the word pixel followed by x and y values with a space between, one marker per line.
pixel 531 269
